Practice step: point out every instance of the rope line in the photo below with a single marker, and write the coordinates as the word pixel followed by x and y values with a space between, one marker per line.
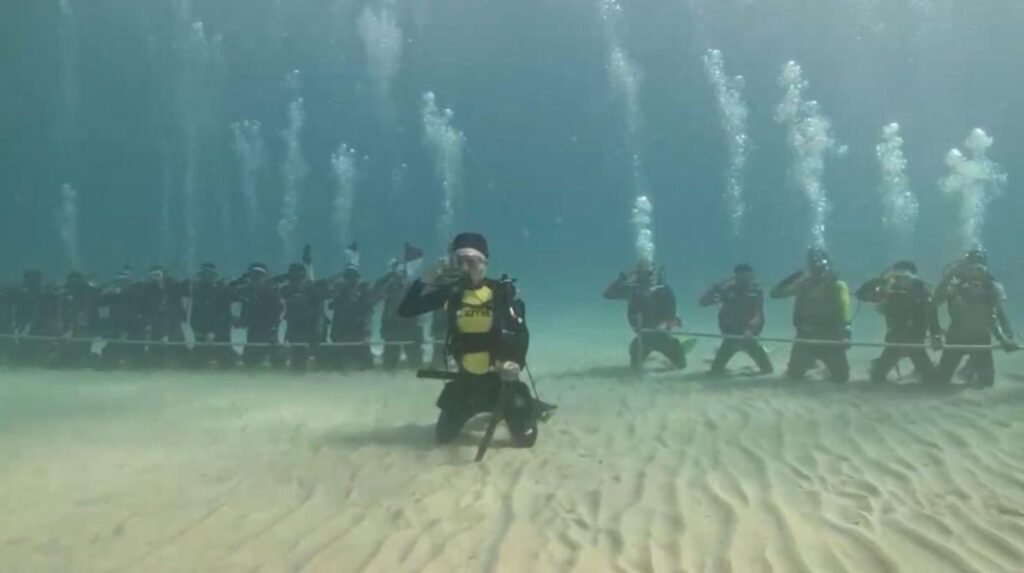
pixel 693 334
pixel 823 342
pixel 136 342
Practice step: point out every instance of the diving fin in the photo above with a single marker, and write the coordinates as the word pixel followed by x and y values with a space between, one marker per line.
pixel 543 410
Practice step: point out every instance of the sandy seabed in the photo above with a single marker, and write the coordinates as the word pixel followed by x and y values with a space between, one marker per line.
pixel 226 472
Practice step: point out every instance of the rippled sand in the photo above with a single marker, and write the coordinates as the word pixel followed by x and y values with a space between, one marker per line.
pixel 232 472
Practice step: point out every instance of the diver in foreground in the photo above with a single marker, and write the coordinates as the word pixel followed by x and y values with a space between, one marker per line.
pixel 741 314
pixel 821 311
pixel 976 304
pixel 906 302
pixel 488 340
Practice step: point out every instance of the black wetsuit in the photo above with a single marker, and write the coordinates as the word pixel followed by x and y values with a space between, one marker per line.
pixel 649 309
pixel 80 320
pixel 821 311
pixel 352 303
pixel 163 315
pixel 741 312
pixel 910 318
pixel 261 317
pixel 123 322
pixel 303 314
pixel 478 386
pixel 211 322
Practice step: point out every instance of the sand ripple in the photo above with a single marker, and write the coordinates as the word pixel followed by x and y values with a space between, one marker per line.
pixel 673 474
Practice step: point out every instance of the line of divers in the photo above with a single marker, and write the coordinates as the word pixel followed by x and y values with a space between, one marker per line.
pixel 479 323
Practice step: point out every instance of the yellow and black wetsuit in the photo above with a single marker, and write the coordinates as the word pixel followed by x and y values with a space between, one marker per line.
pixel 487 328
pixel 475 316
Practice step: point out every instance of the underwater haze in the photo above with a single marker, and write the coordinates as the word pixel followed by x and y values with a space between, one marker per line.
pixel 583 138
pixel 176 132
pixel 562 114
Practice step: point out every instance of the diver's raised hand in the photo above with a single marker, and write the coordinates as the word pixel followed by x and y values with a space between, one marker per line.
pixel 441 274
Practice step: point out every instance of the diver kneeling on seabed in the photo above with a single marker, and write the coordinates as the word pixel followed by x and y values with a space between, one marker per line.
pixel 976 303
pixel 821 313
pixel 488 339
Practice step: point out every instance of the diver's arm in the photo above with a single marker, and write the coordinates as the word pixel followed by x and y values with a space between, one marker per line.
pixel 380 287
pixel 1004 328
pixel 932 316
pixel 245 315
pixel 845 309
pixel 788 287
pixel 317 302
pixel 418 300
pixel 713 296
pixel 941 293
pixel 756 324
pixel 871 291
pixel 671 308
pixel 279 305
pixel 619 289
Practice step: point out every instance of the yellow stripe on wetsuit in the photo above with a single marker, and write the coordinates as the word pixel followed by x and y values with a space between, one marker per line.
pixel 476 316
pixel 845 306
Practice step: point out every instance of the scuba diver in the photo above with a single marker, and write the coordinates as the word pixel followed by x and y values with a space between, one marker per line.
pixel 352 303
pixel 79 318
pixel 37 313
pixel 741 314
pixel 821 311
pixel 161 303
pixel 121 320
pixel 651 307
pixel 303 314
pixel 211 319
pixel 488 341
pixel 906 302
pixel 975 301
pixel 400 334
pixel 261 314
